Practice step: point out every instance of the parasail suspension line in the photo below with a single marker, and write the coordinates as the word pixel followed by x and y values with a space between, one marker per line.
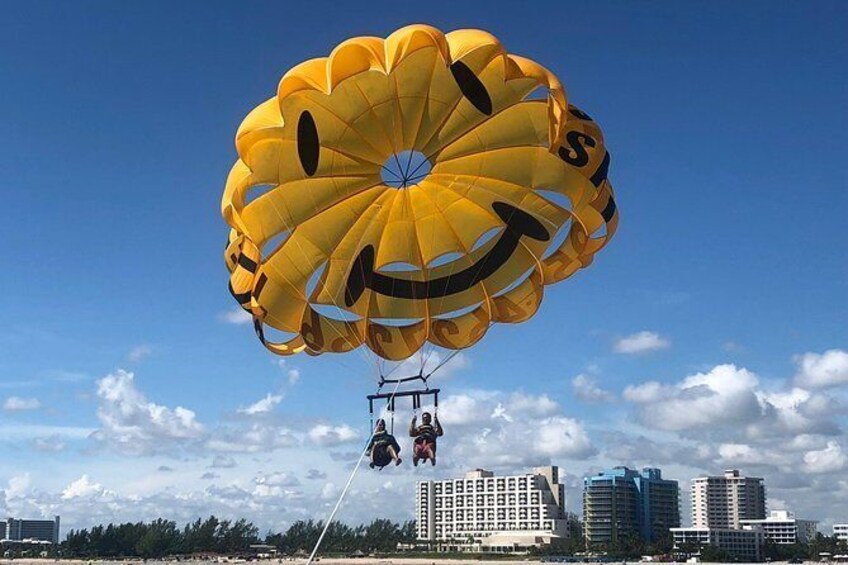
pixel 344 491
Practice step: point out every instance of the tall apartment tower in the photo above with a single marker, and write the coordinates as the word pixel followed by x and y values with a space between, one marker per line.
pixel 660 504
pixel 723 502
pixel 493 512
pixel 621 502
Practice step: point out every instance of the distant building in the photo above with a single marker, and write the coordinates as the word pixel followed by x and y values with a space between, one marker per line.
pixel 621 502
pixel 783 528
pixel 660 504
pixel 482 512
pixel 742 545
pixel 35 530
pixel 2 530
pixel 723 502
pixel 841 531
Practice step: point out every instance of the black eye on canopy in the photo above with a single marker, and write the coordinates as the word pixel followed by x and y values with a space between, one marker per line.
pixel 308 145
pixel 471 86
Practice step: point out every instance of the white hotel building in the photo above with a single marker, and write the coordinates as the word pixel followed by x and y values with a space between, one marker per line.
pixel 744 545
pixel 841 531
pixel 782 527
pixel 482 512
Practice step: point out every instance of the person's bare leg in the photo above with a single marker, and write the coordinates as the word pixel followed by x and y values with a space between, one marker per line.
pixel 394 455
pixel 431 455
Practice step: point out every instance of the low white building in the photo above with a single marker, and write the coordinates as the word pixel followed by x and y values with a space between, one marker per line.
pixel 743 545
pixel 841 531
pixel 482 512
pixel 783 527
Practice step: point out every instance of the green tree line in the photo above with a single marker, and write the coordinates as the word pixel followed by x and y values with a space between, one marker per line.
pixel 161 538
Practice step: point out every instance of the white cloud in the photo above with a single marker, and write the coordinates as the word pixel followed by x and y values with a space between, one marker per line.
pixel 262 406
pixel 329 491
pixel 723 395
pixel 831 459
pixel 828 369
pixel 651 391
pixel 277 479
pixel 18 486
pixel 510 431
pixel 48 444
pixel 18 404
pixel 729 403
pixel 744 454
pixel 257 438
pixel 294 376
pixel 139 352
pixel 586 388
pixel 135 425
pixel 641 342
pixel 563 437
pixel 237 316
pixel 82 488
pixel 327 435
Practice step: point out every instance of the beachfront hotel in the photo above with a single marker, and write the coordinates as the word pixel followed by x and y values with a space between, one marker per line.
pixel 841 532
pixel 722 502
pixel 720 505
pixel 742 545
pixel 15 530
pixel 488 513
pixel 621 502
pixel 781 527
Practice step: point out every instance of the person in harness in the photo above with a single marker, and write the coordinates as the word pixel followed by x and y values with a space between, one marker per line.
pixel 424 444
pixel 383 447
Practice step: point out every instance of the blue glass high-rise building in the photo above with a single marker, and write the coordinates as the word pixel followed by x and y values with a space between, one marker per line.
pixel 621 503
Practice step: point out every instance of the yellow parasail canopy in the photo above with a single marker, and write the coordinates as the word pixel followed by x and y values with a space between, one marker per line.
pixel 408 190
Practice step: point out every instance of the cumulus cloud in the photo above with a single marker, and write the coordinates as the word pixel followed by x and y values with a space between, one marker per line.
pixel 562 437
pixel 262 406
pixel 135 425
pixel 276 479
pixel 492 429
pixel 822 370
pixel 209 475
pixel 647 392
pixel 257 438
pixel 723 395
pixel 82 488
pixel 18 404
pixel 328 435
pixel 236 316
pixel 18 486
pixel 738 454
pixel 641 342
pixel 315 474
pixel 831 459
pixel 586 388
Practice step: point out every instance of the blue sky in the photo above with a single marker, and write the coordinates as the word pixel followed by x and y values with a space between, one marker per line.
pixel 727 125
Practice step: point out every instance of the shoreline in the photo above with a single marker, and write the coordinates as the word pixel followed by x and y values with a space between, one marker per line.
pixel 518 559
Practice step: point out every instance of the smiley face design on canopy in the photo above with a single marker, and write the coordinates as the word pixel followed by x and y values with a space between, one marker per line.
pixel 409 190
